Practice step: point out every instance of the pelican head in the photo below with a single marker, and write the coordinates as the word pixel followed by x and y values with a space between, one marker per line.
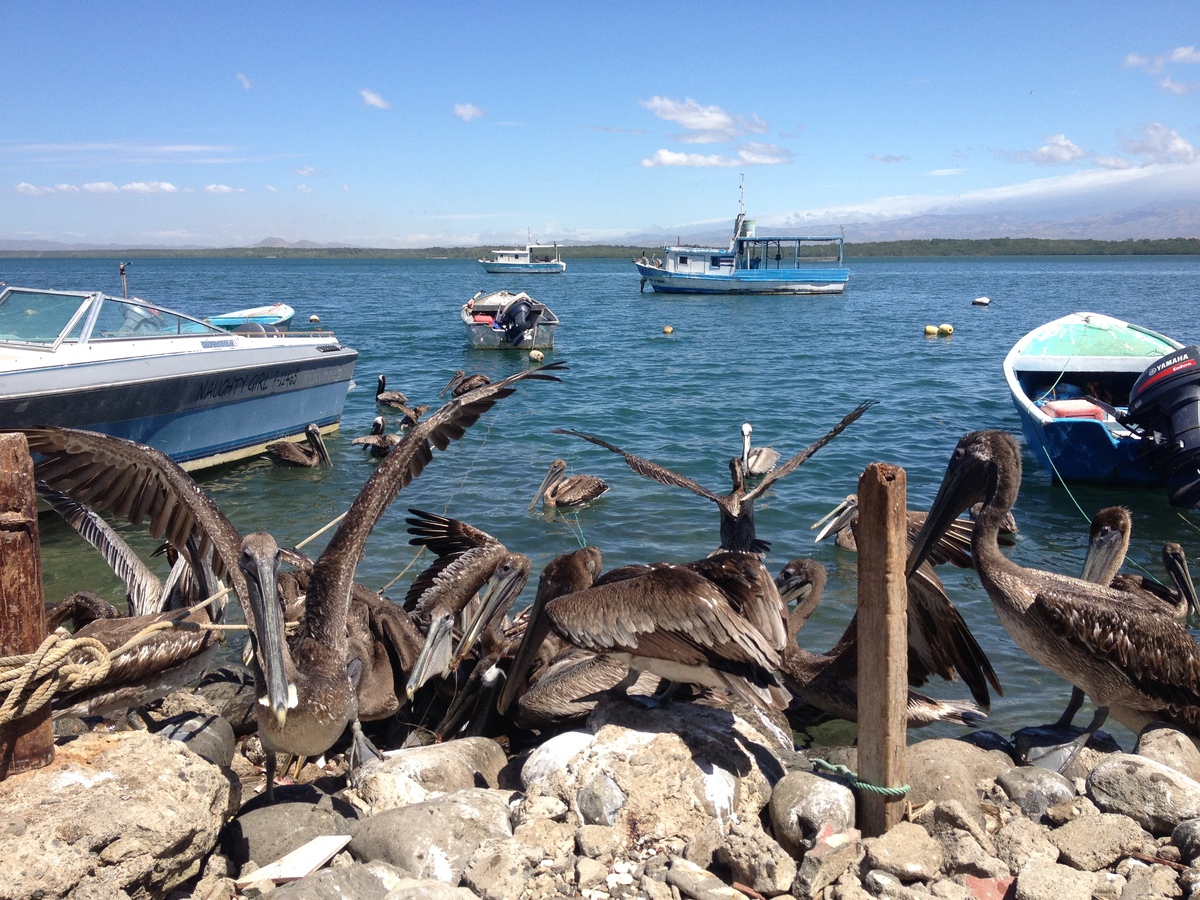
pixel 557 469
pixel 259 564
pixel 746 432
pixel 434 658
pixel 507 581
pixel 453 382
pixel 1108 542
pixel 313 434
pixel 841 516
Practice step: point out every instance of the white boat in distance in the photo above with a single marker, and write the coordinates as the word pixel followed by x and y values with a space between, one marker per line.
pixel 133 369
pixel 751 264
pixel 533 259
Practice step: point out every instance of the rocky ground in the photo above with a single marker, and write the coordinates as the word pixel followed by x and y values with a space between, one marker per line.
pixel 683 802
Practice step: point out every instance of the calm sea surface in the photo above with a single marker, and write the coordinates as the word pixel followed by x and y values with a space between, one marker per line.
pixel 792 367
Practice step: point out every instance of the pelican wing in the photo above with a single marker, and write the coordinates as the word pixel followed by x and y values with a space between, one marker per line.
pixel 800 458
pixel 334 573
pixel 466 557
pixel 645 467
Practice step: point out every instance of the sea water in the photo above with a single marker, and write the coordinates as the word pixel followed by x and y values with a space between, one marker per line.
pixel 792 366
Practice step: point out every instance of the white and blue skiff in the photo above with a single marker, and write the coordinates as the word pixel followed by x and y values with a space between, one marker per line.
pixel 274 315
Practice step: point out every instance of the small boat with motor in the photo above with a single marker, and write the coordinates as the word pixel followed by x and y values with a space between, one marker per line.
pixel 503 320
pixel 532 259
pixel 131 368
pixel 751 264
pixel 1107 402
pixel 276 316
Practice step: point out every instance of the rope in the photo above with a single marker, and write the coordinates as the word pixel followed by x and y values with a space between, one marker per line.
pixel 32 679
pixel 856 783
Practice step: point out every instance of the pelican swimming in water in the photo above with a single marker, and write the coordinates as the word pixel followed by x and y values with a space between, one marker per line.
pixel 954 547
pixel 296 455
pixel 305 683
pixel 559 489
pixel 736 507
pixel 461 383
pixel 1135 663
pixel 829 681
pixel 1108 542
pixel 378 442
pixel 759 460
pixel 384 397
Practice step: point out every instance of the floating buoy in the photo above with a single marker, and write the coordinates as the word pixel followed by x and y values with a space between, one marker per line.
pixel 945 329
pixel 931 330
pixel 981 301
pixel 314 318
pixel 667 329
pixel 536 355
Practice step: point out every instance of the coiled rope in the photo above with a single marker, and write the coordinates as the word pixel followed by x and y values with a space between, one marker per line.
pixel 855 782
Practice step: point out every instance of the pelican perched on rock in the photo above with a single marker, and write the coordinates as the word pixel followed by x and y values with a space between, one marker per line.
pixel 1132 661
pixel 736 507
pixel 295 454
pixel 378 442
pixel 829 681
pixel 306 682
pixel 1108 542
pixel 559 489
pixel 461 383
pixel 384 397
pixel 715 622
pixel 758 460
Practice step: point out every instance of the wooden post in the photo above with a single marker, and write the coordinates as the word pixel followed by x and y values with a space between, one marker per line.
pixel 882 644
pixel 28 742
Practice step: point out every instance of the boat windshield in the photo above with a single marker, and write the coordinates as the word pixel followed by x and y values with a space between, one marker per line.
pixel 133 318
pixel 39 318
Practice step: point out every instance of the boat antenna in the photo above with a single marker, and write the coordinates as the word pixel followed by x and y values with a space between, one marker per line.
pixel 124 287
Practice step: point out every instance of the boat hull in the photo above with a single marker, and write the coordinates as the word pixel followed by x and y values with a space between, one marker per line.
pixel 752 281
pixel 480 313
pixel 278 315
pixel 484 337
pixel 550 268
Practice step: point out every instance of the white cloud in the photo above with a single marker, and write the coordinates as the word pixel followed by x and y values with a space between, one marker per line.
pixel 32 190
pixel 944 172
pixel 1156 64
pixel 1160 144
pixel 101 187
pixel 245 82
pixel 370 98
pixel 304 188
pixel 346 188
pixel 747 155
pixel 223 189
pixel 1058 150
pixel 703 124
pixel 305 170
pixel 889 158
pixel 1112 162
pixel 67 188
pixel 150 187
pixel 1179 87
pixel 272 189
pixel 1185 55
pixel 763 155
pixel 467 111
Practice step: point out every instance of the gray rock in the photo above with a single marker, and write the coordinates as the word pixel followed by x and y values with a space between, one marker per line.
pixel 699 884
pixel 1092 843
pixel 589 873
pixel 1040 880
pixel 703 845
pixel 266 833
pixel 1168 745
pixel 802 803
pixel 756 860
pixel 208 736
pixel 1186 836
pixel 886 885
pixel 1021 842
pixel 427 889
pixel 1035 789
pixel 532 808
pixel 598 842
pixel 831 856
pixel 1108 886
pixel 436 838
pixel 421 773
pixel 906 852
pixel 363 881
pixel 499 869
pixel 942 770
pixel 1154 795
pixel 600 800
pixel 1151 883
pixel 229 690
pixel 117 813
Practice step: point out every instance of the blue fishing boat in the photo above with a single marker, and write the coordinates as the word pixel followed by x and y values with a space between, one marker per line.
pixel 751 264
pixel 1107 402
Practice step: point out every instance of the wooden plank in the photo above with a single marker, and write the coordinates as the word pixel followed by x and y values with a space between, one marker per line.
pixel 304 860
pixel 882 644
pixel 28 742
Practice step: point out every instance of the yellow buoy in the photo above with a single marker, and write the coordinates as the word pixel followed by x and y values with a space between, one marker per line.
pixel 536 355
pixel 931 330
pixel 945 329
pixel 667 329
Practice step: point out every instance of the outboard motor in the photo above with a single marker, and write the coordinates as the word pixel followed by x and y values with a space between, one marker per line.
pixel 1165 404
pixel 516 320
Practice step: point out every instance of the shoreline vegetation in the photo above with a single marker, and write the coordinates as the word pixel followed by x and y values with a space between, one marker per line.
pixel 935 247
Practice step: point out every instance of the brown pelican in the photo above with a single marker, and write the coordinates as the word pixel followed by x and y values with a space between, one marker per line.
pixel 305 683
pixel 410 416
pixel 1108 542
pixel 829 681
pixel 716 622
pixel 467 560
pixel 736 507
pixel 461 383
pixel 559 489
pixel 377 442
pixel 1132 661
pixel 757 461
pixel 954 547
pixel 384 397
pixel 295 454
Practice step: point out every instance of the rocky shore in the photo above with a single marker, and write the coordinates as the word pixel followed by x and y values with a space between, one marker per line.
pixel 688 801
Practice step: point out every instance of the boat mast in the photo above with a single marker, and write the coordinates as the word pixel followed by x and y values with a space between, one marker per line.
pixel 741 216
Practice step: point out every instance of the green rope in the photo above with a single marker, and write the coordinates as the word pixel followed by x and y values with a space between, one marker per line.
pixel 856 783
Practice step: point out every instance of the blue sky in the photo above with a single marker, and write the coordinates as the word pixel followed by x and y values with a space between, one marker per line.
pixel 412 125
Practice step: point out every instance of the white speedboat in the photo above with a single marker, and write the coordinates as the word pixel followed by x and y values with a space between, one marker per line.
pixel 131 368
pixel 503 320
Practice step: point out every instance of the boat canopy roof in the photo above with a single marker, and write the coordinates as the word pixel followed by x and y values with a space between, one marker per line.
pixel 42 320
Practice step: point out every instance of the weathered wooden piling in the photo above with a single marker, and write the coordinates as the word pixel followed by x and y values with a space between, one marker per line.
pixel 882 644
pixel 27 742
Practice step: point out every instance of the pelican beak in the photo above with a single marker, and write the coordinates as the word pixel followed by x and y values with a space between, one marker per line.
pixel 546 482
pixel 502 590
pixel 1177 568
pixel 261 570
pixel 836 520
pixel 318 444
pixel 958 491
pixel 434 658
pixel 450 384
pixel 1101 552
pixel 793 588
